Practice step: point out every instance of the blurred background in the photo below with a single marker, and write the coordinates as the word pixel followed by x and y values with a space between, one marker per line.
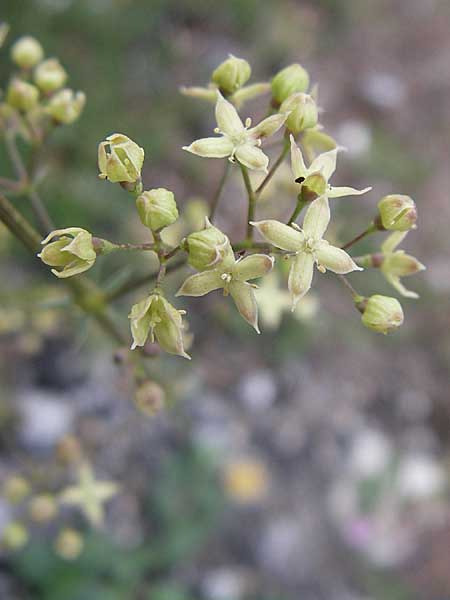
pixel 311 462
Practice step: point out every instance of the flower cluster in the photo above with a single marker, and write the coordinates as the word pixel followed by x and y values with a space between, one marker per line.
pixel 36 98
pixel 36 91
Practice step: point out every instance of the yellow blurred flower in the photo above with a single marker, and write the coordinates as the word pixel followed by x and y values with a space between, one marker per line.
pixel 246 480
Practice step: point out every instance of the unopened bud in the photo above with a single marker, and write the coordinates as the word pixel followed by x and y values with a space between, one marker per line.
pixel 66 106
pixel 303 112
pixel 397 212
pixel 150 398
pixel 43 508
pixel 231 74
pixel 120 159
pixel 314 186
pixel 288 81
pixel 49 76
pixel 208 247
pixel 69 449
pixel 73 252
pixel 69 544
pixel 382 313
pixel 15 536
pixel 15 489
pixel 22 95
pixel 157 208
pixel 27 52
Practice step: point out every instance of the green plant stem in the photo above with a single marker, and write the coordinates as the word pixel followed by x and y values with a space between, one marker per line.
pixel 251 200
pixel 140 280
pixel 297 210
pixel 85 292
pixel 349 286
pixel 371 229
pixel 38 207
pixel 218 194
pixel 273 169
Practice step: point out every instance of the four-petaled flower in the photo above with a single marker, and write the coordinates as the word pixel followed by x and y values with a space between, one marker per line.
pixel 308 247
pixel 396 263
pixel 237 141
pixel 324 165
pixel 232 278
pixel 89 495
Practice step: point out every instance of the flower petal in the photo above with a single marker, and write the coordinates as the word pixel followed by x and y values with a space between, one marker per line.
pixel 201 284
pixel 297 163
pixel 253 266
pixel 392 241
pixel 227 117
pixel 317 218
pixel 252 157
pixel 325 163
pixel 335 259
pixel 74 268
pixel 244 298
pixel 398 285
pixel 268 126
pixel 212 147
pixel 339 192
pixel 280 235
pixel 300 276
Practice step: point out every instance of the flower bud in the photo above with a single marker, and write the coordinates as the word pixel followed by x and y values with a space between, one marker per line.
pixel 22 95
pixel 73 251
pixel 66 106
pixel 27 52
pixel 400 264
pixel 69 544
pixel 15 536
pixel 382 314
pixel 150 398
pixel 69 449
pixel 15 489
pixel 208 247
pixel 120 159
pixel 231 74
pixel 157 208
pixel 288 81
pixel 49 76
pixel 43 508
pixel 397 212
pixel 156 318
pixel 303 112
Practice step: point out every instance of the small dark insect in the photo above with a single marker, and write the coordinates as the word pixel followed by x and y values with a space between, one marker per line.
pixel 300 180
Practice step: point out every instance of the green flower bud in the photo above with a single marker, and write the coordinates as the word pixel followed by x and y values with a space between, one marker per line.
pixel 208 247
pixel 303 112
pixel 157 208
pixel 69 544
pixel 22 95
pixel 232 74
pixel 43 508
pixel 15 489
pixel 15 536
pixel 120 159
pixel 66 106
pixel 288 81
pixel 49 76
pixel 382 314
pixel 150 398
pixel 73 251
pixel 27 52
pixel 156 318
pixel 397 212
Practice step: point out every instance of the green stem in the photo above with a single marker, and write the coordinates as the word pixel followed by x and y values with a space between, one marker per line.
pixel 371 229
pixel 251 200
pixel 85 292
pixel 218 194
pixel 274 168
pixel 297 210
pixel 349 286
